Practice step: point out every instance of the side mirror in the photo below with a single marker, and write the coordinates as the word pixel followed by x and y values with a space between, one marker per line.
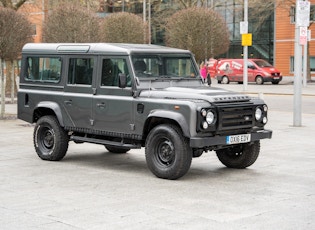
pixel 122 80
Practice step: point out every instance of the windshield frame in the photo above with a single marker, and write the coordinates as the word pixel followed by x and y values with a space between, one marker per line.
pixel 162 66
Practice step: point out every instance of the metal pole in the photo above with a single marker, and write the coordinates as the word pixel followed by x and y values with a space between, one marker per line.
pixel 297 74
pixel 144 10
pixel 305 64
pixel 245 49
pixel 149 15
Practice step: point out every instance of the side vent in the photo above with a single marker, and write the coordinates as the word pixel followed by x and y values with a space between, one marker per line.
pixel 26 100
pixel 140 108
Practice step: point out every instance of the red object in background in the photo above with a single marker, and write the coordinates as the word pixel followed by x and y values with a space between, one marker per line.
pixel 212 67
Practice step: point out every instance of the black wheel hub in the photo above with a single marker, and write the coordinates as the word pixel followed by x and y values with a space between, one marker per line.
pixel 48 138
pixel 165 152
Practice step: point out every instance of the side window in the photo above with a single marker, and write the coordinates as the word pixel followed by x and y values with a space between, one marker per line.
pixel 111 68
pixel 80 71
pixel 43 69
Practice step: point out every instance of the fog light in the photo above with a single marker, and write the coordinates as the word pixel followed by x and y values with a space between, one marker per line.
pixel 205 125
pixel 265 120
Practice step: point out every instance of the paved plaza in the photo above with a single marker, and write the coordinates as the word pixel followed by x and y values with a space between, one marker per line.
pixel 94 189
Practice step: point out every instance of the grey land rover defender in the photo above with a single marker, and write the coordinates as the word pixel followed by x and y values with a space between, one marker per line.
pixel 127 96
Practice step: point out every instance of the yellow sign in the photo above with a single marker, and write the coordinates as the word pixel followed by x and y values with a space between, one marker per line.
pixel 247 40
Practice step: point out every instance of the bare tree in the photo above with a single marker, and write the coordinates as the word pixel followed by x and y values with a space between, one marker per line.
pixel 15 32
pixel 91 5
pixel 71 23
pixel 200 30
pixel 125 28
pixel 15 5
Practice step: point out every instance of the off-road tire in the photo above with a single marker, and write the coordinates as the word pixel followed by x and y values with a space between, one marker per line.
pixel 239 156
pixel 167 152
pixel 50 139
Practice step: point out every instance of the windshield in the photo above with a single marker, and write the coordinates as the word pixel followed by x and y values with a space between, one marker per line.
pixel 262 63
pixel 164 66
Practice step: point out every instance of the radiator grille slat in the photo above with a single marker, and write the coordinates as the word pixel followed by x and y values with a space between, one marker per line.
pixel 235 118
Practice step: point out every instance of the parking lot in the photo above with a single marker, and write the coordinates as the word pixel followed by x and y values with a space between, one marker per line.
pixel 94 189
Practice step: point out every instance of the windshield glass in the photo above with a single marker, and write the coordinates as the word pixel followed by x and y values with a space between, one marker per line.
pixel 262 63
pixel 164 66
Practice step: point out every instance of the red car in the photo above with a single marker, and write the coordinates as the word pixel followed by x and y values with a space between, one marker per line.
pixel 259 71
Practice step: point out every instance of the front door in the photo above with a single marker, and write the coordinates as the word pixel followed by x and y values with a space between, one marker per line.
pixel 113 106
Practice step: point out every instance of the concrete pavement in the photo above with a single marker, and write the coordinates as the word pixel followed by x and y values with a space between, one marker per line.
pixel 93 189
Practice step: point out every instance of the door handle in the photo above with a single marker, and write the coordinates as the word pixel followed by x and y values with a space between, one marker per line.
pixel 68 102
pixel 101 105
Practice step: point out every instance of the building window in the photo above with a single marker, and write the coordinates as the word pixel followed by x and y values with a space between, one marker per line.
pixel 292 14
pixel 34 31
pixel 312 64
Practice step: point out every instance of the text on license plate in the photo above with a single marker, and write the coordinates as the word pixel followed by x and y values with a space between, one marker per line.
pixel 236 139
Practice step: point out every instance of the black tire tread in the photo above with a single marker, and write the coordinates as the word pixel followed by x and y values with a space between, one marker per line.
pixel 184 154
pixel 61 139
pixel 250 153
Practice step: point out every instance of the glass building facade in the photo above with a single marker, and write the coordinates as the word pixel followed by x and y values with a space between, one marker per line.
pixel 231 10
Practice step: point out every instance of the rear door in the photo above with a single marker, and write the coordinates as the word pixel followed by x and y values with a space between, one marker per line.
pixel 77 99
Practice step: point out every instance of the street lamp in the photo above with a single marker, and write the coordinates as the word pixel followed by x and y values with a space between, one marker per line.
pixel 245 48
pixel 149 18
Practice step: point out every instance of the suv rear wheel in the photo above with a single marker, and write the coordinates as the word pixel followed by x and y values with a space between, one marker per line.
pixel 50 140
pixel 239 156
pixel 167 152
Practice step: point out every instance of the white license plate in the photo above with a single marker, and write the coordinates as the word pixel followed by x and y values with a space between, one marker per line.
pixel 237 139
pixel 276 78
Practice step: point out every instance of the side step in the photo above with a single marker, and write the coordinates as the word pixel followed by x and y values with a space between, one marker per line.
pixel 104 142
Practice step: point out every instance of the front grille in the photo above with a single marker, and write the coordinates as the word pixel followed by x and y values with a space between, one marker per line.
pixel 231 118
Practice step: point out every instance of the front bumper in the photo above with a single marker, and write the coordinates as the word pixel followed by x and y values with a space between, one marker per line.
pixel 201 142
pixel 273 79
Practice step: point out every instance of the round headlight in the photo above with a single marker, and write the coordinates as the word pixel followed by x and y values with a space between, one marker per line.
pixel 210 117
pixel 258 113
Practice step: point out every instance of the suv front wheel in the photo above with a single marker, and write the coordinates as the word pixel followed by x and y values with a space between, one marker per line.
pixel 50 139
pixel 167 152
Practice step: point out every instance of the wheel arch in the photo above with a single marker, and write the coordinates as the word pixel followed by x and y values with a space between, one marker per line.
pixel 165 117
pixel 225 76
pixel 259 76
pixel 48 108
